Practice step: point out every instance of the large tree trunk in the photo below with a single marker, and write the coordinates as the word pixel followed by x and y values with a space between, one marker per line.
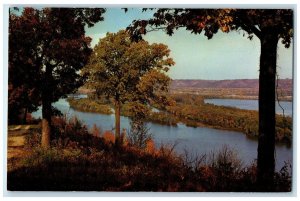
pixel 46 123
pixel 266 140
pixel 47 108
pixel 117 122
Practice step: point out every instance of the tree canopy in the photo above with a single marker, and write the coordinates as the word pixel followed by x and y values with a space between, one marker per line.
pixel 48 47
pixel 210 21
pixel 128 71
pixel 269 25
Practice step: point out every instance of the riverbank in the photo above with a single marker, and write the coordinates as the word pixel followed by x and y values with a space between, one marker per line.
pixel 192 111
pixel 83 161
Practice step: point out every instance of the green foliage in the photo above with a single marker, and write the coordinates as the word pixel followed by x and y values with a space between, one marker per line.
pixel 192 111
pixel 88 105
pixel 128 71
pixel 129 109
pixel 163 118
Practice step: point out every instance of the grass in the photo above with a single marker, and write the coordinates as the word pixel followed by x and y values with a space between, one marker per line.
pixel 17 143
pixel 80 161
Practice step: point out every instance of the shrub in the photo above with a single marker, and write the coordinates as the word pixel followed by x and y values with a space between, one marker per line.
pixel 138 135
pixel 42 157
pixel 283 178
pixel 96 131
pixel 33 140
pixel 109 137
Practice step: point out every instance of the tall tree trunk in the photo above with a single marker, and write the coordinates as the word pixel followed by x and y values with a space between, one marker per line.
pixel 47 108
pixel 117 122
pixel 266 140
pixel 46 123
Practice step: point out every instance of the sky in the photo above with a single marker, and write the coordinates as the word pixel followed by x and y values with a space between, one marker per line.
pixel 225 56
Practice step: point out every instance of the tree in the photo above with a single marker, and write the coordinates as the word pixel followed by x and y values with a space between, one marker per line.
pixel 56 49
pixel 269 25
pixel 23 93
pixel 128 71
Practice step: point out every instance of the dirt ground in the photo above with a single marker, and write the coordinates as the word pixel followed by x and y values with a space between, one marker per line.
pixel 16 149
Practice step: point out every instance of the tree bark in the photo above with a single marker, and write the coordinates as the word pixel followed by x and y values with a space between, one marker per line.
pixel 46 123
pixel 266 140
pixel 47 108
pixel 117 122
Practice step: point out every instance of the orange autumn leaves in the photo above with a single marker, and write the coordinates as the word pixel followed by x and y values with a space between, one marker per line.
pixel 109 138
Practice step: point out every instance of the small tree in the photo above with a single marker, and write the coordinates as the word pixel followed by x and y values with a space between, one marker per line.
pixel 138 134
pixel 128 71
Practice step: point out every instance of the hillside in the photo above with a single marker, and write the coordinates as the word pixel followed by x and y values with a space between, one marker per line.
pixel 238 83
pixel 237 89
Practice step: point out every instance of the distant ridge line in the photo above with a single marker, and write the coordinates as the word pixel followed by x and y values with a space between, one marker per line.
pixel 234 83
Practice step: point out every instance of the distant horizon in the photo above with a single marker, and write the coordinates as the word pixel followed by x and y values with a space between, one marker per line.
pixel 226 56
pixel 226 79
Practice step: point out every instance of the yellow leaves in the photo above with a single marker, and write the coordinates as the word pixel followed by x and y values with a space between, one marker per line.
pixel 221 17
pixel 224 19
pixel 225 23
pixel 225 29
pixel 228 10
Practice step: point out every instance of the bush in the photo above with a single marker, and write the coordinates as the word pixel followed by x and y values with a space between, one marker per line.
pixel 33 140
pixel 138 135
pixel 96 131
pixel 43 157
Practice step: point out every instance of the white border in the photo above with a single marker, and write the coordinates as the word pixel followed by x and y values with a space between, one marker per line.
pixel 146 3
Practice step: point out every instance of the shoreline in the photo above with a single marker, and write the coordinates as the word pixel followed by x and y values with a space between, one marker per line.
pixel 172 119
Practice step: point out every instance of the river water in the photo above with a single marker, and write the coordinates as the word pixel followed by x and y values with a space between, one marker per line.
pixel 252 105
pixel 193 140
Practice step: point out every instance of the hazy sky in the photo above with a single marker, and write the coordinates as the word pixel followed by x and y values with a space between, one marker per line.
pixel 225 56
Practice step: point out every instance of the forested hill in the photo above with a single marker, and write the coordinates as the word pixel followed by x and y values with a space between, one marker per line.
pixel 239 83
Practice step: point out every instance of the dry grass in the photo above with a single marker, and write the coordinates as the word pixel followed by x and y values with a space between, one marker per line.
pixel 79 161
pixel 16 141
pixel 16 144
